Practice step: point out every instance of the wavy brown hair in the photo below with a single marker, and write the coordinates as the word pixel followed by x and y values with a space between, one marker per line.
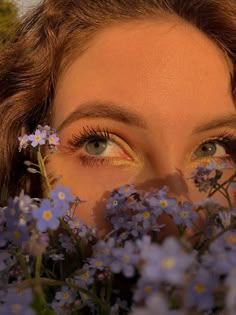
pixel 54 32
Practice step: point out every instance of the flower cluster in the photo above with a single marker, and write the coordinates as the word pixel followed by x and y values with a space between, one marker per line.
pixel 53 263
pixel 41 136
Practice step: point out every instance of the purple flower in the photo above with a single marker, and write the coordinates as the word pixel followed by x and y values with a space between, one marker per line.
pixel 17 234
pixel 17 302
pixel 53 139
pixel 121 220
pixel 45 129
pixel 85 276
pixel 200 290
pixel 160 203
pixel 115 202
pixel 202 179
pixel 166 263
pixel 124 259
pixel 225 218
pixel 62 197
pixel 65 296
pixel 37 138
pixel 145 289
pixel 67 243
pixel 220 262
pixel 185 214
pixel 156 305
pixel 12 213
pixel 46 216
pixel 127 190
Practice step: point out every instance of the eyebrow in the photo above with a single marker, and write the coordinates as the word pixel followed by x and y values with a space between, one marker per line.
pixel 104 110
pixel 111 110
pixel 228 120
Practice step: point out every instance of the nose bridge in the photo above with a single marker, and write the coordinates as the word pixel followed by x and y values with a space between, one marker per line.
pixel 165 168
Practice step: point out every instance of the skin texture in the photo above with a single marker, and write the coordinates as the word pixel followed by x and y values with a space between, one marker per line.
pixel 168 73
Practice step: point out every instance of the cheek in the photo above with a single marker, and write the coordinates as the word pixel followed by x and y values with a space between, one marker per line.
pixel 92 185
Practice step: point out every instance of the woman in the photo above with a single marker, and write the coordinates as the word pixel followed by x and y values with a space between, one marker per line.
pixel 139 91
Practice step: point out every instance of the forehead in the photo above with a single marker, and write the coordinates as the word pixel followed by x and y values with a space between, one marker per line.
pixel 162 66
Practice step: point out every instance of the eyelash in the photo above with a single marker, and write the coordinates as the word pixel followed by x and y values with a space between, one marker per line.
pixel 91 134
pixel 226 139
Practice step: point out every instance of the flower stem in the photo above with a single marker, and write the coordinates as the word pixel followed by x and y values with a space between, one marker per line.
pixel 43 170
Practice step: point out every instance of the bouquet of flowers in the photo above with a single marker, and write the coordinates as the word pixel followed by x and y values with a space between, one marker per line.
pixel 52 263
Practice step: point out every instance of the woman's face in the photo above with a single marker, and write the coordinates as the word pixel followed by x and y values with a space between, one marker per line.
pixel 137 107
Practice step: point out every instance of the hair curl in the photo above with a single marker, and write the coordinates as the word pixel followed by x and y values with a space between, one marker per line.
pixel 50 35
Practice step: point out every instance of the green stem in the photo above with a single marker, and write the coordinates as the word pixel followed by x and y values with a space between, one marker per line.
pixel 23 264
pixel 38 287
pixel 43 170
pixel 229 180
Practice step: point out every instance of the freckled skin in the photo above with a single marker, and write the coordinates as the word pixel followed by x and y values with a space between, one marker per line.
pixel 166 71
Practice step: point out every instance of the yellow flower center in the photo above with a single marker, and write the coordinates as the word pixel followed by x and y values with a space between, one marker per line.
pixel 85 275
pixel 51 139
pixel 98 263
pixel 47 215
pixel 16 308
pixel 37 138
pixel 200 287
pixel 231 239
pixel 66 296
pixel 168 262
pixel 16 235
pixel 146 214
pixel 163 203
pixel 148 289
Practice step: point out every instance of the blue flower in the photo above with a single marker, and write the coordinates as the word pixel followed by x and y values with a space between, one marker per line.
pixel 160 203
pixel 67 243
pixel 115 202
pixel 127 190
pixel 62 197
pixel 201 289
pixel 17 234
pixel 47 217
pixel 85 276
pixel 37 138
pixel 12 213
pixel 167 262
pixel 17 302
pixel 145 289
pixel 65 296
pixel 124 259
pixel 53 139
pixel 156 305
pixel 185 214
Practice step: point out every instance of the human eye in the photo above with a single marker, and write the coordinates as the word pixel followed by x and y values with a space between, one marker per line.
pixel 99 147
pixel 220 148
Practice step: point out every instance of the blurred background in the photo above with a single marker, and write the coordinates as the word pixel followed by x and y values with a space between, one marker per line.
pixel 10 11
